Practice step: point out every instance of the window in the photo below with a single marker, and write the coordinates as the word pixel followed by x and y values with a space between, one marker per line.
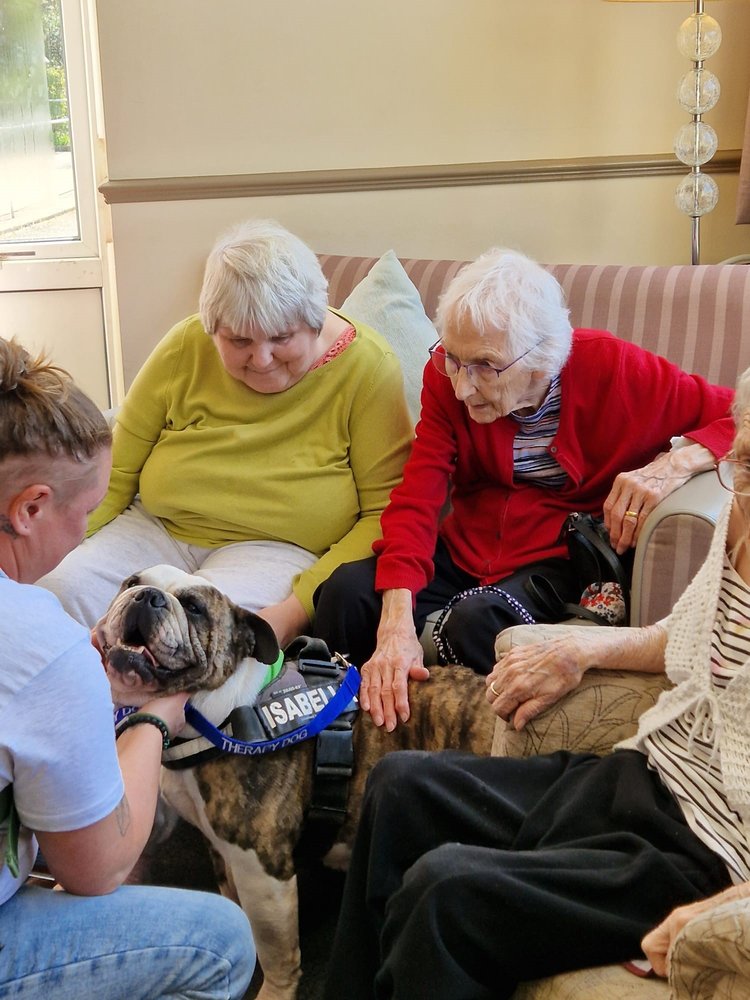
pixel 47 180
pixel 57 289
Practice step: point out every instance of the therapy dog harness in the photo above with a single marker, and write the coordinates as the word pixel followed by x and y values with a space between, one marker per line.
pixel 306 693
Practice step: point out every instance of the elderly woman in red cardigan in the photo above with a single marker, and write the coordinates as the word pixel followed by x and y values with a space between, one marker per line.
pixel 524 420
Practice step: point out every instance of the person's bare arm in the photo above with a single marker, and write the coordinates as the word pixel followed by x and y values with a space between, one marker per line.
pixel 288 619
pixel 98 858
pixel 530 678
pixel 398 658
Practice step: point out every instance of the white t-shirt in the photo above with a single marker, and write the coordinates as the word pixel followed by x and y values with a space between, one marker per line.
pixel 57 742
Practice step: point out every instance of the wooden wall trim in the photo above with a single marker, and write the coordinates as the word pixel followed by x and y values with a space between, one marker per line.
pixel 142 189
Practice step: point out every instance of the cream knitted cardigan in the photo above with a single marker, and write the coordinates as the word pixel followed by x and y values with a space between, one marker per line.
pixel 721 716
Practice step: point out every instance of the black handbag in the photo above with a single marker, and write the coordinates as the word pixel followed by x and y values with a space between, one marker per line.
pixel 594 560
pixel 603 576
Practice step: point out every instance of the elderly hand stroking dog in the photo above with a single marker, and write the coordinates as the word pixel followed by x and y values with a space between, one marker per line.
pixel 169 631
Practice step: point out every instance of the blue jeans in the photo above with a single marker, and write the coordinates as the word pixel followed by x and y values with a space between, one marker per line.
pixel 139 943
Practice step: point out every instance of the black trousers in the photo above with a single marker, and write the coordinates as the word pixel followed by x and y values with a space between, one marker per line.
pixel 470 874
pixel 347 607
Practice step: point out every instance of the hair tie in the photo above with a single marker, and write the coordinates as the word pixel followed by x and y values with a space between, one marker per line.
pixel 17 375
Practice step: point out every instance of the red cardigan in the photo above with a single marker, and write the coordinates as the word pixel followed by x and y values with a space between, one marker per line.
pixel 620 405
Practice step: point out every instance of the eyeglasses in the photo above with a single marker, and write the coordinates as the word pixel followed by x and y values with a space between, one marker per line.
pixel 478 371
pixel 726 470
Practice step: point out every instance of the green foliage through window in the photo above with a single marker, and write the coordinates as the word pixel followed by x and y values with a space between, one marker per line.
pixel 56 82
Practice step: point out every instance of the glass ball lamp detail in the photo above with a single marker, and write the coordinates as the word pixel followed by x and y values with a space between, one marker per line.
pixel 696 195
pixel 695 143
pixel 698 91
pixel 699 37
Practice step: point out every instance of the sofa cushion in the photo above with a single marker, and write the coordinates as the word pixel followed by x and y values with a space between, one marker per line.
pixel 387 301
pixel 602 710
pixel 429 277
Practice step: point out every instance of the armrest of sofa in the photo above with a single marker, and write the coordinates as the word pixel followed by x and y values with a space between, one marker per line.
pixel 711 955
pixel 673 543
pixel 602 710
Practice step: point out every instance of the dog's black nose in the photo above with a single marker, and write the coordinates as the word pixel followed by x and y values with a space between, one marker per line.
pixel 151 596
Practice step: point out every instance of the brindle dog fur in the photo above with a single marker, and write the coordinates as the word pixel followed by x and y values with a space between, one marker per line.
pixel 252 809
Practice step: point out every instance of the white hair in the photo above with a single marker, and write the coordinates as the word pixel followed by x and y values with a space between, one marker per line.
pixel 504 291
pixel 261 277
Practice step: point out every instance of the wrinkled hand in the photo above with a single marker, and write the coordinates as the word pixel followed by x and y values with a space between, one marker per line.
pixel 657 944
pixel 638 492
pixel 384 690
pixel 530 678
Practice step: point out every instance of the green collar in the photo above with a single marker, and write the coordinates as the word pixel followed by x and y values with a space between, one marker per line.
pixel 274 670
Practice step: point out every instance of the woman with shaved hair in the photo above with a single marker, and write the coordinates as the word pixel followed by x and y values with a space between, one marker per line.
pixel 65 784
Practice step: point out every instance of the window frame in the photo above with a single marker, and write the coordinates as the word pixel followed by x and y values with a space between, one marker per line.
pixel 70 263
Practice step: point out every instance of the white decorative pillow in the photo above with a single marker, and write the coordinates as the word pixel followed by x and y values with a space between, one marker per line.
pixel 388 301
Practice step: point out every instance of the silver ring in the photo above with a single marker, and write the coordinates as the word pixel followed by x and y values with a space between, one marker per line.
pixel 492 689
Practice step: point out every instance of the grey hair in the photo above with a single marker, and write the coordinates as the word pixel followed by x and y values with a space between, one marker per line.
pixel 261 277
pixel 504 291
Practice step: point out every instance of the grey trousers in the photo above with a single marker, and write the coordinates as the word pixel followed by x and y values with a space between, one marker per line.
pixel 253 574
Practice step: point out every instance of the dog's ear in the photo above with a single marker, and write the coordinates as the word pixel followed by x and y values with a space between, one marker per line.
pixel 256 636
pixel 132 581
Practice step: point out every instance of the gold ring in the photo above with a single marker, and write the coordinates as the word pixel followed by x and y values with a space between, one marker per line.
pixel 631 513
pixel 493 690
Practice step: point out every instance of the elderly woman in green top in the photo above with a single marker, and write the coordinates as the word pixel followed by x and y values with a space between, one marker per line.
pixel 257 446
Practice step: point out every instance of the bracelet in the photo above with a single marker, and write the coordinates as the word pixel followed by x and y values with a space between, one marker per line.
pixel 135 718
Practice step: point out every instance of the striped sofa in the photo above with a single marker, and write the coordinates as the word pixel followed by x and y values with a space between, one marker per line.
pixel 698 317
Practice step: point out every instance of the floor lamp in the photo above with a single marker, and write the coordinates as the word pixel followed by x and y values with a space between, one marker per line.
pixel 698 38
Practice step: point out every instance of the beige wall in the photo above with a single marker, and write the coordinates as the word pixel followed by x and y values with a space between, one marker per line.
pixel 231 87
pixel 65 325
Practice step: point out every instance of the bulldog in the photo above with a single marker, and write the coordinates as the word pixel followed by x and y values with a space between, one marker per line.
pixel 167 631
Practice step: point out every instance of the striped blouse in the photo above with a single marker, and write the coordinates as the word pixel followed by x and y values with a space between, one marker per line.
pixel 685 752
pixel 532 461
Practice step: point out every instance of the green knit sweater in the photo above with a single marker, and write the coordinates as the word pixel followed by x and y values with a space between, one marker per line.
pixel 220 463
